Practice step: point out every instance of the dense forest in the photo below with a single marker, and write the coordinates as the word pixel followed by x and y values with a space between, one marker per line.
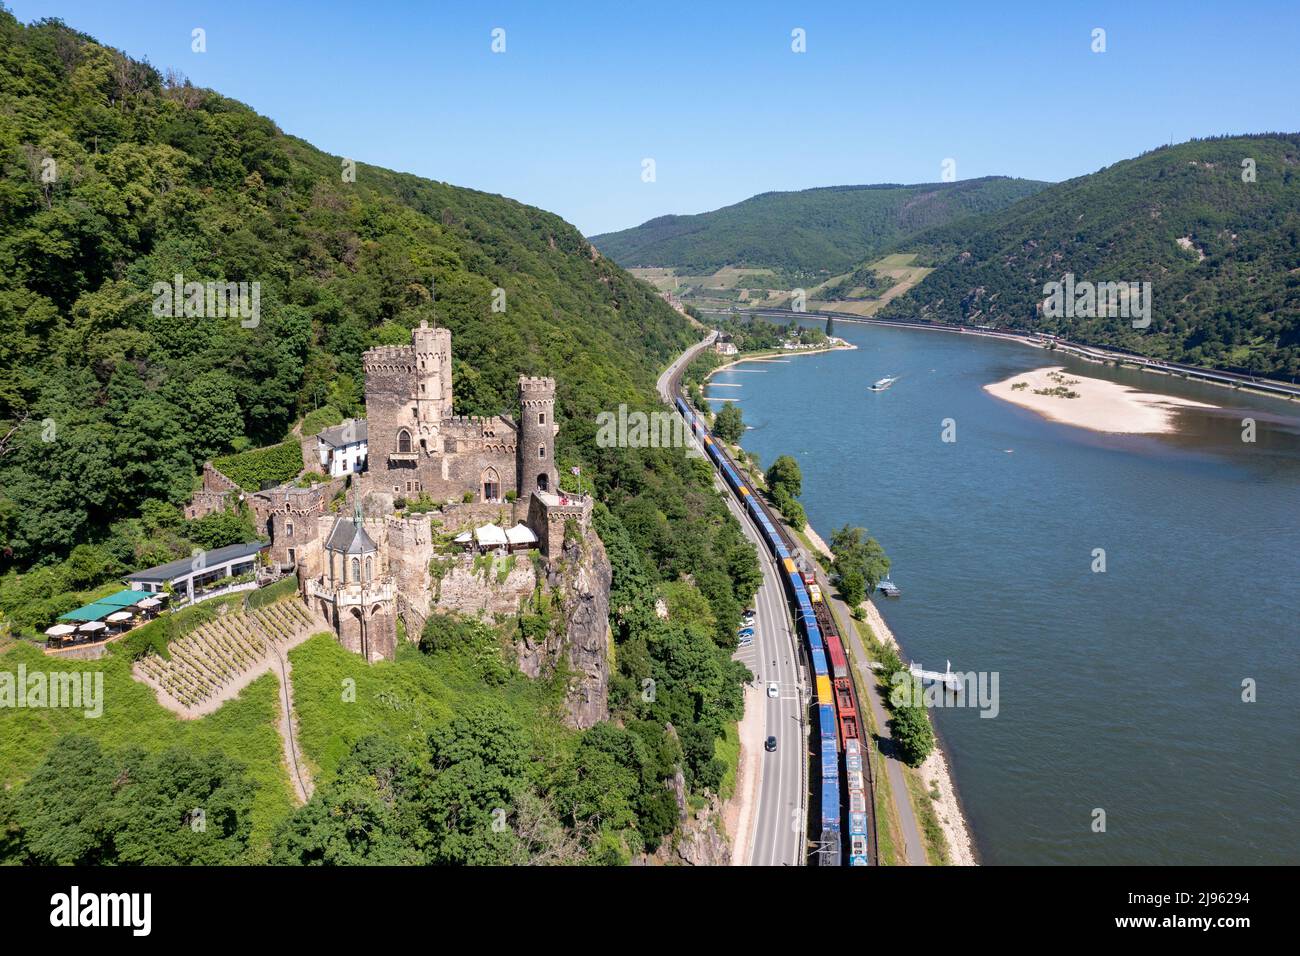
pixel 1213 225
pixel 814 231
pixel 114 177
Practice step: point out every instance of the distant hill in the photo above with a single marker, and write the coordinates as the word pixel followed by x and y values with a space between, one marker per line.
pixel 831 229
pixel 1222 255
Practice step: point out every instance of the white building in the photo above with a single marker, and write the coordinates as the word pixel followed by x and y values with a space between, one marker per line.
pixel 343 448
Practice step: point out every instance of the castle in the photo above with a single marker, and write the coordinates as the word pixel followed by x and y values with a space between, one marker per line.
pixel 417 446
pixel 362 562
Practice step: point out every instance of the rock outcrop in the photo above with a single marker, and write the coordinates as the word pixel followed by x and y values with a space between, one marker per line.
pixel 580 583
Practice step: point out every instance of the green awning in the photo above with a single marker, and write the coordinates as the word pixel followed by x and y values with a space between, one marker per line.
pixel 91 612
pixel 125 598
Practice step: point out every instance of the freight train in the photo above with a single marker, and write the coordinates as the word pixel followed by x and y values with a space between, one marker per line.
pixel 837 720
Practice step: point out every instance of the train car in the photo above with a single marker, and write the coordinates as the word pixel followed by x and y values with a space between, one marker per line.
pixel 824 693
pixel 830 761
pixel 830 803
pixel 835 651
pixel 826 722
pixel 819 664
pixel 852 754
pixel 857 801
pixel 846 711
pixel 858 841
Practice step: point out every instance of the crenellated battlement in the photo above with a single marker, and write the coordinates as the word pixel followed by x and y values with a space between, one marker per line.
pixel 536 385
pixel 389 358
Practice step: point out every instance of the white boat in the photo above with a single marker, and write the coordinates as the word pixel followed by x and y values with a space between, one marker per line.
pixel 889 588
pixel 884 383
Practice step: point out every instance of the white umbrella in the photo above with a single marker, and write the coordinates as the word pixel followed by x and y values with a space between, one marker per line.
pixel 118 616
pixel 464 537
pixel 60 630
pixel 490 536
pixel 93 626
pixel 149 602
pixel 521 534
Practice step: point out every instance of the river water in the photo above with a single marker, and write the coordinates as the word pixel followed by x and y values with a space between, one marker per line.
pixel 1119 691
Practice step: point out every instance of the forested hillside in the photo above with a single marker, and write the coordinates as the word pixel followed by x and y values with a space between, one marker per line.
pixel 113 178
pixel 1222 254
pixel 828 230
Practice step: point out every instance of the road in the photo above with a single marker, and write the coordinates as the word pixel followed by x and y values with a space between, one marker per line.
pixel 780 817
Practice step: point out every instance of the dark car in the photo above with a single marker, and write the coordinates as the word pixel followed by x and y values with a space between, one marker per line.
pixel 770 745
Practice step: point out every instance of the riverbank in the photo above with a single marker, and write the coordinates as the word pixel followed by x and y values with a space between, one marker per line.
pixel 770 355
pixel 1092 403
pixel 934 771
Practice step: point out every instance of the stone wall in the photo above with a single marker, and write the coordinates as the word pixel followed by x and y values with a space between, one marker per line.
pixel 407 545
pixel 217 493
pixel 481 593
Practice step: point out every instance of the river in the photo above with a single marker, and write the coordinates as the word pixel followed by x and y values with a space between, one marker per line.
pixel 1119 691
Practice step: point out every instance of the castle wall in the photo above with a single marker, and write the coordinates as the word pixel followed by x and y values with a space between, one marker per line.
pixel 409 546
pixel 217 493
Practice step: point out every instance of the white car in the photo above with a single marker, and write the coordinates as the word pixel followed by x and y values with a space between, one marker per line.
pixel 773 689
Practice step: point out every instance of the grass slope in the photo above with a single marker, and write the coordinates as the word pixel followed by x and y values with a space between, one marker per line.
pixel 244 729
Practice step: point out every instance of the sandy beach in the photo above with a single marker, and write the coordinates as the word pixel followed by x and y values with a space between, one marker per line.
pixel 1099 405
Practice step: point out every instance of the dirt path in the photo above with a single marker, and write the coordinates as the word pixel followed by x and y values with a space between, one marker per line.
pixel 299 773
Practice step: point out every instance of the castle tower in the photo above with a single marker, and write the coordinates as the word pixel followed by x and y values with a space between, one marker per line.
pixel 536 448
pixel 432 373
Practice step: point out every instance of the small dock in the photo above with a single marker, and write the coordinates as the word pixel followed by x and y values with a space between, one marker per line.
pixel 948 679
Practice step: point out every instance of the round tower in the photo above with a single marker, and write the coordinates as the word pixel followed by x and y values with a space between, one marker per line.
pixel 432 349
pixel 537 428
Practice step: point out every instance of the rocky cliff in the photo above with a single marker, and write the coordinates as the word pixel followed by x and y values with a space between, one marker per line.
pixel 579 583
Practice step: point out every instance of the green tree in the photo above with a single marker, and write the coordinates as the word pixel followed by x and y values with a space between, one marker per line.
pixel 860 561
pixel 910 727
pixel 729 424
pixel 784 473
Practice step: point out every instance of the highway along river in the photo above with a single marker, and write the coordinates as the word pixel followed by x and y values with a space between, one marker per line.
pixel 1118 691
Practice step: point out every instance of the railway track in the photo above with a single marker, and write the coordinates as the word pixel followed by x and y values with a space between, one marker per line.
pixel 844 789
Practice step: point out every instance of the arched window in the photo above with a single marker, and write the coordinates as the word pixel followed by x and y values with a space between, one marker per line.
pixel 404 442
pixel 541 452
pixel 356 570
pixel 288 529
pixel 491 485
pixel 543 482
pixel 541 418
pixel 369 570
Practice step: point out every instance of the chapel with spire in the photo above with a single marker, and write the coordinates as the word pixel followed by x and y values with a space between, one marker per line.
pixel 354 590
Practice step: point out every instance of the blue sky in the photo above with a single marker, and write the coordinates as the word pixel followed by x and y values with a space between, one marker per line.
pixel 713 93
